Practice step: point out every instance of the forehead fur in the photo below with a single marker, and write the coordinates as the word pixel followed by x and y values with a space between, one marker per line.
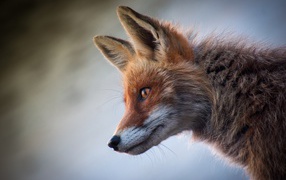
pixel 143 71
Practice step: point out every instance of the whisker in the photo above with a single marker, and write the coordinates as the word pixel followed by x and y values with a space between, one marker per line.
pixel 163 154
pixel 115 97
pixel 149 157
pixel 114 90
pixel 169 149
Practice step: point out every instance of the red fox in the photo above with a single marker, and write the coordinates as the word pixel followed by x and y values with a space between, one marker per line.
pixel 230 95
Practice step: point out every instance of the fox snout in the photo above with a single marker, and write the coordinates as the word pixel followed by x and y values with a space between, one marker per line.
pixel 136 139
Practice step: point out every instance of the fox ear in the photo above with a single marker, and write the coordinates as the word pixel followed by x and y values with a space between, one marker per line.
pixel 152 38
pixel 117 51
pixel 144 31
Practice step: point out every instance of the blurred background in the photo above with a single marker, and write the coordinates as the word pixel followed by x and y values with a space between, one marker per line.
pixel 60 101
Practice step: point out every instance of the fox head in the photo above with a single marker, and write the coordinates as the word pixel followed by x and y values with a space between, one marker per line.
pixel 165 91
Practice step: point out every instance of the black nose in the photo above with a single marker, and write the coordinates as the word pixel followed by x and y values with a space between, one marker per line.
pixel 114 141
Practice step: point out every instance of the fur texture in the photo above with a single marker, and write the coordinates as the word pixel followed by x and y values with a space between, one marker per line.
pixel 229 95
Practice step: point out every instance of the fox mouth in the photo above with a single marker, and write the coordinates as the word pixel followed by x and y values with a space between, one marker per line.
pixel 146 143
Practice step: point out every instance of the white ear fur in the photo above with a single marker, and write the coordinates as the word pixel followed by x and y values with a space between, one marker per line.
pixel 117 51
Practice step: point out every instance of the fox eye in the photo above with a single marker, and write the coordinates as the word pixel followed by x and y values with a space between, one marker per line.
pixel 144 93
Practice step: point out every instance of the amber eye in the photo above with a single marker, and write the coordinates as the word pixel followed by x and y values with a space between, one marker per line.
pixel 144 93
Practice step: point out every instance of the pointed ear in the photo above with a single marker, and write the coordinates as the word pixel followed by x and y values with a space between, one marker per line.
pixel 152 38
pixel 144 31
pixel 117 51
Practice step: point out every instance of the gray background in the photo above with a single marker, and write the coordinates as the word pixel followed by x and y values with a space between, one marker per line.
pixel 60 101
